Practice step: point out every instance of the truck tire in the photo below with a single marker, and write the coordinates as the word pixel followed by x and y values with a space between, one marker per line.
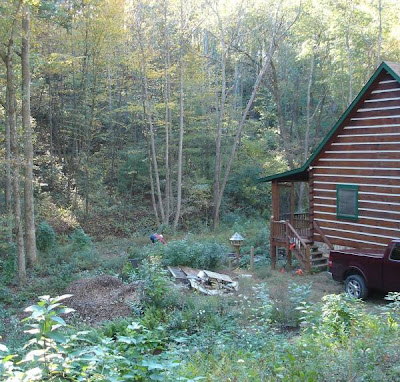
pixel 356 286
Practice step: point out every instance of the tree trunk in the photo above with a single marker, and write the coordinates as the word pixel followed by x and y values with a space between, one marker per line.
pixel 379 32
pixel 179 183
pixel 153 198
pixel 14 151
pixel 239 130
pixel 151 130
pixel 8 160
pixel 220 122
pixel 167 97
pixel 111 126
pixel 30 236
pixel 15 166
pixel 285 134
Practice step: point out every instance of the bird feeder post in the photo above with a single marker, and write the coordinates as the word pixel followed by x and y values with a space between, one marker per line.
pixel 237 241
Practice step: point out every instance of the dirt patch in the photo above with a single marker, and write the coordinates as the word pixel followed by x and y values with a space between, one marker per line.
pixel 101 298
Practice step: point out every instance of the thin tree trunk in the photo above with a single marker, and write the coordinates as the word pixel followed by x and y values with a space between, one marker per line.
pixel 14 152
pixel 379 32
pixel 153 198
pixel 30 236
pixel 350 64
pixel 285 134
pixel 308 128
pixel 15 166
pixel 239 130
pixel 8 159
pixel 221 116
pixel 151 129
pixel 181 95
pixel 308 108
pixel 167 93
pixel 111 125
pixel 51 136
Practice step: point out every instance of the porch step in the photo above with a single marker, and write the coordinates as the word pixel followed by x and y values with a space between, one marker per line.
pixel 318 260
pixel 321 266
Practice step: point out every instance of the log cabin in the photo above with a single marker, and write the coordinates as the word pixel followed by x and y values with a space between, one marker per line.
pixel 353 180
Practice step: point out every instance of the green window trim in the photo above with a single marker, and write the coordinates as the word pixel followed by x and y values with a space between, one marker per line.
pixel 348 188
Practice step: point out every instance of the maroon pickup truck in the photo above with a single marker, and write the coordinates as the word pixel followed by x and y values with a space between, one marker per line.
pixel 363 270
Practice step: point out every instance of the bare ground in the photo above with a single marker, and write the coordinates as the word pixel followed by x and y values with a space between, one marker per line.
pixel 101 298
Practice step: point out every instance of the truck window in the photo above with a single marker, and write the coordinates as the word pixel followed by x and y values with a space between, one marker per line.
pixel 395 255
pixel 346 201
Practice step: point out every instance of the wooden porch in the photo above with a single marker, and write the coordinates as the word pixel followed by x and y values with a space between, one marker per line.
pixel 294 231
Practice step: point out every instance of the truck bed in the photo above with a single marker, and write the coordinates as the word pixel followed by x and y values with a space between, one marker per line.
pixel 368 262
pixel 367 269
pixel 377 253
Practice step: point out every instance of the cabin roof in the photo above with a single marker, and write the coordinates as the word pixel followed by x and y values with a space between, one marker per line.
pixel 301 173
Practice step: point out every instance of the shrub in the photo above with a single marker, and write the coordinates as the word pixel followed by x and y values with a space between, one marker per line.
pixel 152 282
pixel 282 306
pixel 55 354
pixel 79 239
pixel 197 254
pixel 45 237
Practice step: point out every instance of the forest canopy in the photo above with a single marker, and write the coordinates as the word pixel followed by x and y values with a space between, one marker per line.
pixel 149 113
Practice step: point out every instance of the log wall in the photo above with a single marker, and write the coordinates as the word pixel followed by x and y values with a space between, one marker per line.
pixel 365 151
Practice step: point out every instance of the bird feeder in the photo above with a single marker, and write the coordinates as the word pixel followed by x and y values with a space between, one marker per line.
pixel 237 241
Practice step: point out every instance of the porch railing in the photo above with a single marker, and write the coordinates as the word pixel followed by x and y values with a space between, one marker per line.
pixel 300 248
pixel 300 222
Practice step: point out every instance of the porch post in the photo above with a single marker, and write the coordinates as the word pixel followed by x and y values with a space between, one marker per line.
pixel 292 199
pixel 275 200
pixel 274 216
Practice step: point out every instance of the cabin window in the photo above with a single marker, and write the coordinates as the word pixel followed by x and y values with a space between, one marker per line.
pixel 395 255
pixel 346 201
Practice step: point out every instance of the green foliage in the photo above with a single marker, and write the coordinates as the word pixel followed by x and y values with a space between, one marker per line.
pixel 8 264
pixel 133 353
pixel 45 237
pixel 193 337
pixel 282 307
pixel 206 254
pixel 80 240
pixel 152 282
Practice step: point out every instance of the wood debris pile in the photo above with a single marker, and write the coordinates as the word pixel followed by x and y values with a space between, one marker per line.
pixel 206 282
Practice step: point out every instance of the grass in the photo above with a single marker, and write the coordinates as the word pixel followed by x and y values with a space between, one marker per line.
pixel 248 336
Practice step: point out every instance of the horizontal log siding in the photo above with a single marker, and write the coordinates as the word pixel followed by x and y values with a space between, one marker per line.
pixel 365 151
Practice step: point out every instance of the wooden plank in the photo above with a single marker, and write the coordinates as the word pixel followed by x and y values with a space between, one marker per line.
pixel 356 237
pixel 355 171
pixel 356 155
pixel 365 230
pixel 370 129
pixel 379 85
pixel 361 220
pixel 373 147
pixel 367 180
pixel 349 242
pixel 368 163
pixel 377 96
pixel 351 224
pixel 362 212
pixel 377 112
pixel 190 272
pixel 362 204
pixel 368 137
pixel 388 102
pixel 217 276
pixel 369 121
